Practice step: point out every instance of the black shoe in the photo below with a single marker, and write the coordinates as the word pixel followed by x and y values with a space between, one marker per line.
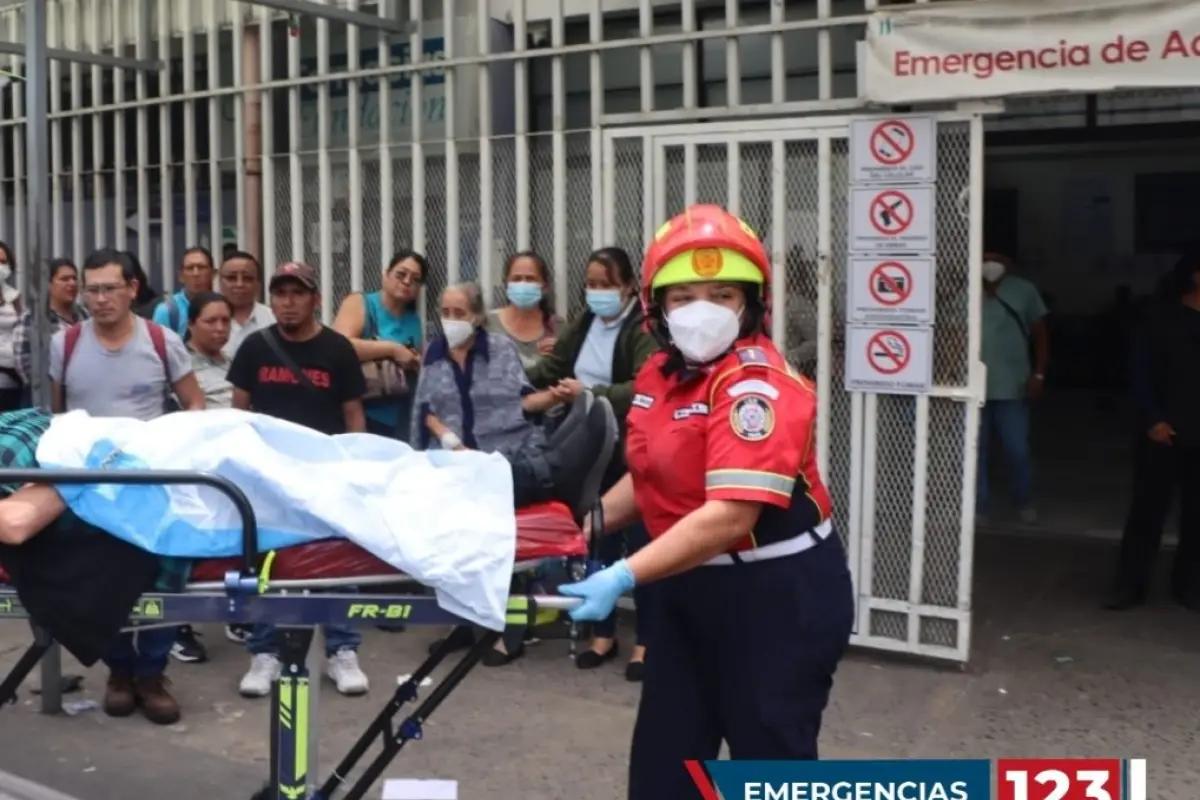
pixel 590 659
pixel 635 671
pixel 187 646
pixel 495 658
pixel 1125 599
pixel 460 638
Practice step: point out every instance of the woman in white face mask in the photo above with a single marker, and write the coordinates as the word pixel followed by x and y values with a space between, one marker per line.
pixel 473 394
pixel 753 604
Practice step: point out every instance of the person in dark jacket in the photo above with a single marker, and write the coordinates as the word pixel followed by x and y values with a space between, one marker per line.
pixel 1166 390
pixel 602 350
pixel 147 297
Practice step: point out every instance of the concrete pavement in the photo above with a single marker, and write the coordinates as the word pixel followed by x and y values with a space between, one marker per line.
pixel 1051 676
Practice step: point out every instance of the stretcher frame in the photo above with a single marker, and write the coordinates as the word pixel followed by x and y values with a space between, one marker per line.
pixel 296 612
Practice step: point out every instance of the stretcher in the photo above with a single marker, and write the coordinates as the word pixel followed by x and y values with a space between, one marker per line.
pixel 295 589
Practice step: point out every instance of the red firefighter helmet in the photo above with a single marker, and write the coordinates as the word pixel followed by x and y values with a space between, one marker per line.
pixel 704 243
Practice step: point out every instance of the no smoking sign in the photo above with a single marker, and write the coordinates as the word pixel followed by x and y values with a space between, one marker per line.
pixel 887 360
pixel 893 149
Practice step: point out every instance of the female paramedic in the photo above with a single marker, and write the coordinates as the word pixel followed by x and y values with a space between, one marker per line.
pixel 754 603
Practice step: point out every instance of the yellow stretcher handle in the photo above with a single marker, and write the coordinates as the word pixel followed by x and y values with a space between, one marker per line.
pixel 264 574
pixel 518 613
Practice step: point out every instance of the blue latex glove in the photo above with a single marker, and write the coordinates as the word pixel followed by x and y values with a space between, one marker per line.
pixel 600 592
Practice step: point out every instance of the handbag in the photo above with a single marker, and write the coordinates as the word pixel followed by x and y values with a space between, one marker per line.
pixel 384 378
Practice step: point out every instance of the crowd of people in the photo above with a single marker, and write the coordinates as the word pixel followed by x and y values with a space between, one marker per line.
pixel 488 379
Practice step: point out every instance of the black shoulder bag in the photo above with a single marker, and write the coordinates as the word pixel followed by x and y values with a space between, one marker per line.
pixel 1022 327
pixel 273 342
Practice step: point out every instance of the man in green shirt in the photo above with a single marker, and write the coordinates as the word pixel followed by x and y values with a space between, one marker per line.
pixel 1015 349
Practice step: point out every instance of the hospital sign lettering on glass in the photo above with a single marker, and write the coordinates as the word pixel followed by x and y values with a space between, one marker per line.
pixel 433 103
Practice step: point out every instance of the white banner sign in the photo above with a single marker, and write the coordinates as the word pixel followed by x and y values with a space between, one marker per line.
pixel 993 48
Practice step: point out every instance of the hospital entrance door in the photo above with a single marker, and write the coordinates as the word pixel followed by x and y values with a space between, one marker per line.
pixel 901 469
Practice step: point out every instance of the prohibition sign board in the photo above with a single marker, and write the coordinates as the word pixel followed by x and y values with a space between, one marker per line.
pixel 888 352
pixel 890 283
pixel 893 149
pixel 889 360
pixel 892 142
pixel 891 212
pixel 896 290
pixel 886 219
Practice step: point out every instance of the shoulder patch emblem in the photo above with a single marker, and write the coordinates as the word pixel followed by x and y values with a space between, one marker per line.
pixel 752 418
pixel 753 386
pixel 642 401
pixel 752 355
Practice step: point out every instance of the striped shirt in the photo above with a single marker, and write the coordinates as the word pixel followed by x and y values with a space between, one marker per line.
pixel 23 338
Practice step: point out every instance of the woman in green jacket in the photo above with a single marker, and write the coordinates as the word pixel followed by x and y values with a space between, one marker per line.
pixel 602 351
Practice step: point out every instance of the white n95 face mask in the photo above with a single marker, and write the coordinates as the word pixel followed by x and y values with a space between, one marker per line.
pixel 992 271
pixel 703 331
pixel 457 331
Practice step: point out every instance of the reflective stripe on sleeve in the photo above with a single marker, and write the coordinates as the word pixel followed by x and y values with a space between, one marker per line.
pixel 756 480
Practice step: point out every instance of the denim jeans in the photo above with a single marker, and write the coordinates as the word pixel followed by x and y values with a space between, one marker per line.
pixel 1010 421
pixel 337 637
pixel 144 656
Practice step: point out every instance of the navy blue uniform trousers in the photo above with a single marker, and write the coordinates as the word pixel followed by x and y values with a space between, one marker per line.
pixel 743 653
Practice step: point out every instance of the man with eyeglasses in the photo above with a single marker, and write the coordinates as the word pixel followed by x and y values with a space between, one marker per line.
pixel 117 364
pixel 241 281
pixel 196 274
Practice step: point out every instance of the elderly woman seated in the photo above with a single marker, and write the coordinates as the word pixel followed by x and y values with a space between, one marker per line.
pixel 473 394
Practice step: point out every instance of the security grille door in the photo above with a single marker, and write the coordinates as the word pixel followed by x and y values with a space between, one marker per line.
pixel 901 468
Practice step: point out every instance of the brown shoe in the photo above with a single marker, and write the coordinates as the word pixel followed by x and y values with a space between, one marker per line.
pixel 120 700
pixel 157 703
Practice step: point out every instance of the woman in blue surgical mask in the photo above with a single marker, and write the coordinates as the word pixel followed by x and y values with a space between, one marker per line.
pixel 602 350
pixel 528 318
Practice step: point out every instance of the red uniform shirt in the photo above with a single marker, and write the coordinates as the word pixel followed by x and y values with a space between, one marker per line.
pixel 743 428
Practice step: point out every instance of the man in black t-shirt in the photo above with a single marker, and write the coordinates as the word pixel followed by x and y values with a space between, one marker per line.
pixel 308 374
pixel 298 369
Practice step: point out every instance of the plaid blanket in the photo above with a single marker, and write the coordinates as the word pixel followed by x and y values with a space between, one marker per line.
pixel 20 432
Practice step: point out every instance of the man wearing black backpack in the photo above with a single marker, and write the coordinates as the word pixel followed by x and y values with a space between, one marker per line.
pixel 1015 349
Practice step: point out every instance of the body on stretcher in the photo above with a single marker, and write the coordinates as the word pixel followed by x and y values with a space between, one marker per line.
pixel 544 531
pixel 278 589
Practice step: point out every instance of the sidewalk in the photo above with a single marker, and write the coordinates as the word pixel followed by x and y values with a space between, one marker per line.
pixel 1052 676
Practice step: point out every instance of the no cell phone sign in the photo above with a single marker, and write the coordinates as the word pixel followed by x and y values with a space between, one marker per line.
pixel 893 149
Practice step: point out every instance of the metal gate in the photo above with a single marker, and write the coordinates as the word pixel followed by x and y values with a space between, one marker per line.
pixel 901 469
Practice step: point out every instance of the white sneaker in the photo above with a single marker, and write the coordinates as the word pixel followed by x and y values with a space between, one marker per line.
pixel 342 668
pixel 264 670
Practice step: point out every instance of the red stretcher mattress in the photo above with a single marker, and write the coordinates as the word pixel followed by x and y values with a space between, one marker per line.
pixel 546 530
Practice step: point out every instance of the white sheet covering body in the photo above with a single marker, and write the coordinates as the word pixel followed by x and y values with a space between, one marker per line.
pixel 444 518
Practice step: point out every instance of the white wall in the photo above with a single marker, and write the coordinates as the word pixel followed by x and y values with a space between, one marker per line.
pixel 1077 215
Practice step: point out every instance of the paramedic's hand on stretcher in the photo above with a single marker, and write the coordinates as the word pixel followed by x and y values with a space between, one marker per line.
pixel 600 592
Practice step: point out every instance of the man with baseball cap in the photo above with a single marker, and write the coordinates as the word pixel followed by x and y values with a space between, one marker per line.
pixel 302 371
